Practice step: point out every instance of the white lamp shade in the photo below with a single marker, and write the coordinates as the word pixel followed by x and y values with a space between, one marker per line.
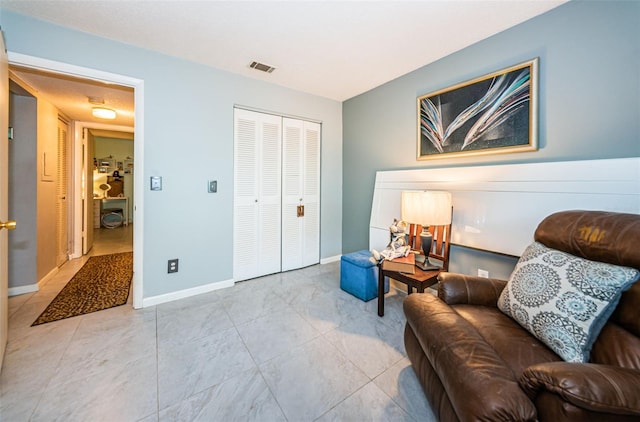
pixel 427 208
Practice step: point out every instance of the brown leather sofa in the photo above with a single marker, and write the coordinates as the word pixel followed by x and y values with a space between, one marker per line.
pixel 476 363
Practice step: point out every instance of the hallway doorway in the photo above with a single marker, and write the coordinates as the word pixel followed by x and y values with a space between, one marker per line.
pixel 116 240
pixel 80 193
pixel 109 174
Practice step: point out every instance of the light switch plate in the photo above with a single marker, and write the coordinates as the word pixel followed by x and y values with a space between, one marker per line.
pixel 213 186
pixel 156 183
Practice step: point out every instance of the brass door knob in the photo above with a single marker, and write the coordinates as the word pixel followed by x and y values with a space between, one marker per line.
pixel 9 225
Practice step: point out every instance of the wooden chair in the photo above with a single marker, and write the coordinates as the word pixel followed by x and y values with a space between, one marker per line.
pixel 439 246
pixel 422 278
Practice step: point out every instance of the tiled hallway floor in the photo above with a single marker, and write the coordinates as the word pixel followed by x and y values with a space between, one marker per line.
pixel 286 347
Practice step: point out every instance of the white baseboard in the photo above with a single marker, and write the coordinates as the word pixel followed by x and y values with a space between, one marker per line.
pixel 29 288
pixel 44 280
pixel 330 259
pixel 20 290
pixel 181 294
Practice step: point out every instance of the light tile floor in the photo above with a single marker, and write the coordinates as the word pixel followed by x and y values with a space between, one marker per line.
pixel 285 347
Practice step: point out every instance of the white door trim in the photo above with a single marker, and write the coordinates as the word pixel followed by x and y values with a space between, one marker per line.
pixel 79 126
pixel 138 152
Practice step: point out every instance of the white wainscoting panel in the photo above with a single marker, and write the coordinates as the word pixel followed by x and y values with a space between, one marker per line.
pixel 497 208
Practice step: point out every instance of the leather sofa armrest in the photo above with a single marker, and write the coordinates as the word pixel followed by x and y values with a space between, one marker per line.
pixel 593 387
pixel 464 289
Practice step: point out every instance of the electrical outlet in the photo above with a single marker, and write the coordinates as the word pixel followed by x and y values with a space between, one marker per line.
pixel 172 266
pixel 483 273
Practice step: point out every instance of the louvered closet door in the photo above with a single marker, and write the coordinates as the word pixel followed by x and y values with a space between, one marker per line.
pixel 88 203
pixel 311 241
pixel 257 194
pixel 300 188
pixel 62 219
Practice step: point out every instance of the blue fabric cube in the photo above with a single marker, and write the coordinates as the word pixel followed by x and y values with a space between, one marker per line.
pixel 359 276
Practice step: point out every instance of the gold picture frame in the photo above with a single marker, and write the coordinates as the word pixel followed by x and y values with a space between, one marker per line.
pixel 494 113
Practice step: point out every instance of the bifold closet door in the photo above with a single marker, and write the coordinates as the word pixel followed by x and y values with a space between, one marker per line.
pixel 300 193
pixel 257 194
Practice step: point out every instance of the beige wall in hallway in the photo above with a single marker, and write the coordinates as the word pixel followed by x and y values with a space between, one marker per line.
pixel 47 173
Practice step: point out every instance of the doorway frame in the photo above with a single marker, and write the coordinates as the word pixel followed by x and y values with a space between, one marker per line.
pixel 78 133
pixel 24 60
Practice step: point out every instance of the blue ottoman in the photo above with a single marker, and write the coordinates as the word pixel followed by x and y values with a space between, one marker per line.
pixel 359 276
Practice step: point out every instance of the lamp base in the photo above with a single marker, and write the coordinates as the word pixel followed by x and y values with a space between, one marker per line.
pixel 426 240
pixel 427 263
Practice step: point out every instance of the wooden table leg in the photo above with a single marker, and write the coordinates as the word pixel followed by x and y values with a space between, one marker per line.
pixel 380 291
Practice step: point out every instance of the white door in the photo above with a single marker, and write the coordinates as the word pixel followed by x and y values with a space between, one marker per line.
pixel 300 194
pixel 311 241
pixel 62 204
pixel 4 195
pixel 257 194
pixel 88 152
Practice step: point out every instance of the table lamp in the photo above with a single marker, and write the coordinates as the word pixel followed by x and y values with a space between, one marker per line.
pixel 426 208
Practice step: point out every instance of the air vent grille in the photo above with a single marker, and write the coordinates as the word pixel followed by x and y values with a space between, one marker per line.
pixel 262 67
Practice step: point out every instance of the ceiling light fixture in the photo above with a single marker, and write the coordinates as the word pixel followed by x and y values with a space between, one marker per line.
pixel 103 113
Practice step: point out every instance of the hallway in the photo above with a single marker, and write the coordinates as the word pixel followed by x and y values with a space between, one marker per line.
pixel 106 241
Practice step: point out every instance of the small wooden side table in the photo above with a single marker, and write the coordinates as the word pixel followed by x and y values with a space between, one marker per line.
pixel 420 281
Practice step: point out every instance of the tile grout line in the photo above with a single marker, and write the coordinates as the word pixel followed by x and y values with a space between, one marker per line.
pixel 55 371
pixel 235 327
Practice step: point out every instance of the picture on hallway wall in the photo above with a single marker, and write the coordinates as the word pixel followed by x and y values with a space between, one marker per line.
pixel 128 166
pixel 494 113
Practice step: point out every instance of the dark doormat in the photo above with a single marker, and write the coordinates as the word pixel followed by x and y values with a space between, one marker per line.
pixel 102 282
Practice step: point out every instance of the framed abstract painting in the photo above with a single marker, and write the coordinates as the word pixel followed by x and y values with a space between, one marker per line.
pixel 494 113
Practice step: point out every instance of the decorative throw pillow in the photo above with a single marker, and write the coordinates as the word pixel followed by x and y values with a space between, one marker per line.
pixel 563 300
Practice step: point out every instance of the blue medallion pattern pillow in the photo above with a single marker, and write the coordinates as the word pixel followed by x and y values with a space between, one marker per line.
pixel 563 300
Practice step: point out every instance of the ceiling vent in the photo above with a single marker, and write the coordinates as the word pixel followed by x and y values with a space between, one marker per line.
pixel 262 67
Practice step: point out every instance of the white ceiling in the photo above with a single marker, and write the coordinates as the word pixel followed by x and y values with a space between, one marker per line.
pixel 333 49
pixel 71 95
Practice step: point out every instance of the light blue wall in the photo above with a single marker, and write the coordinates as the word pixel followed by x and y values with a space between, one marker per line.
pixel 188 116
pixel 589 100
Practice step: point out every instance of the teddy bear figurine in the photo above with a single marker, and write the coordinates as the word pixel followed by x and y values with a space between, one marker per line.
pixel 397 247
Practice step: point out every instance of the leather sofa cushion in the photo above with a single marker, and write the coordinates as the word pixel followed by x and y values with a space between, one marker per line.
pixel 480 383
pixel 515 345
pixel 616 346
pixel 626 313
